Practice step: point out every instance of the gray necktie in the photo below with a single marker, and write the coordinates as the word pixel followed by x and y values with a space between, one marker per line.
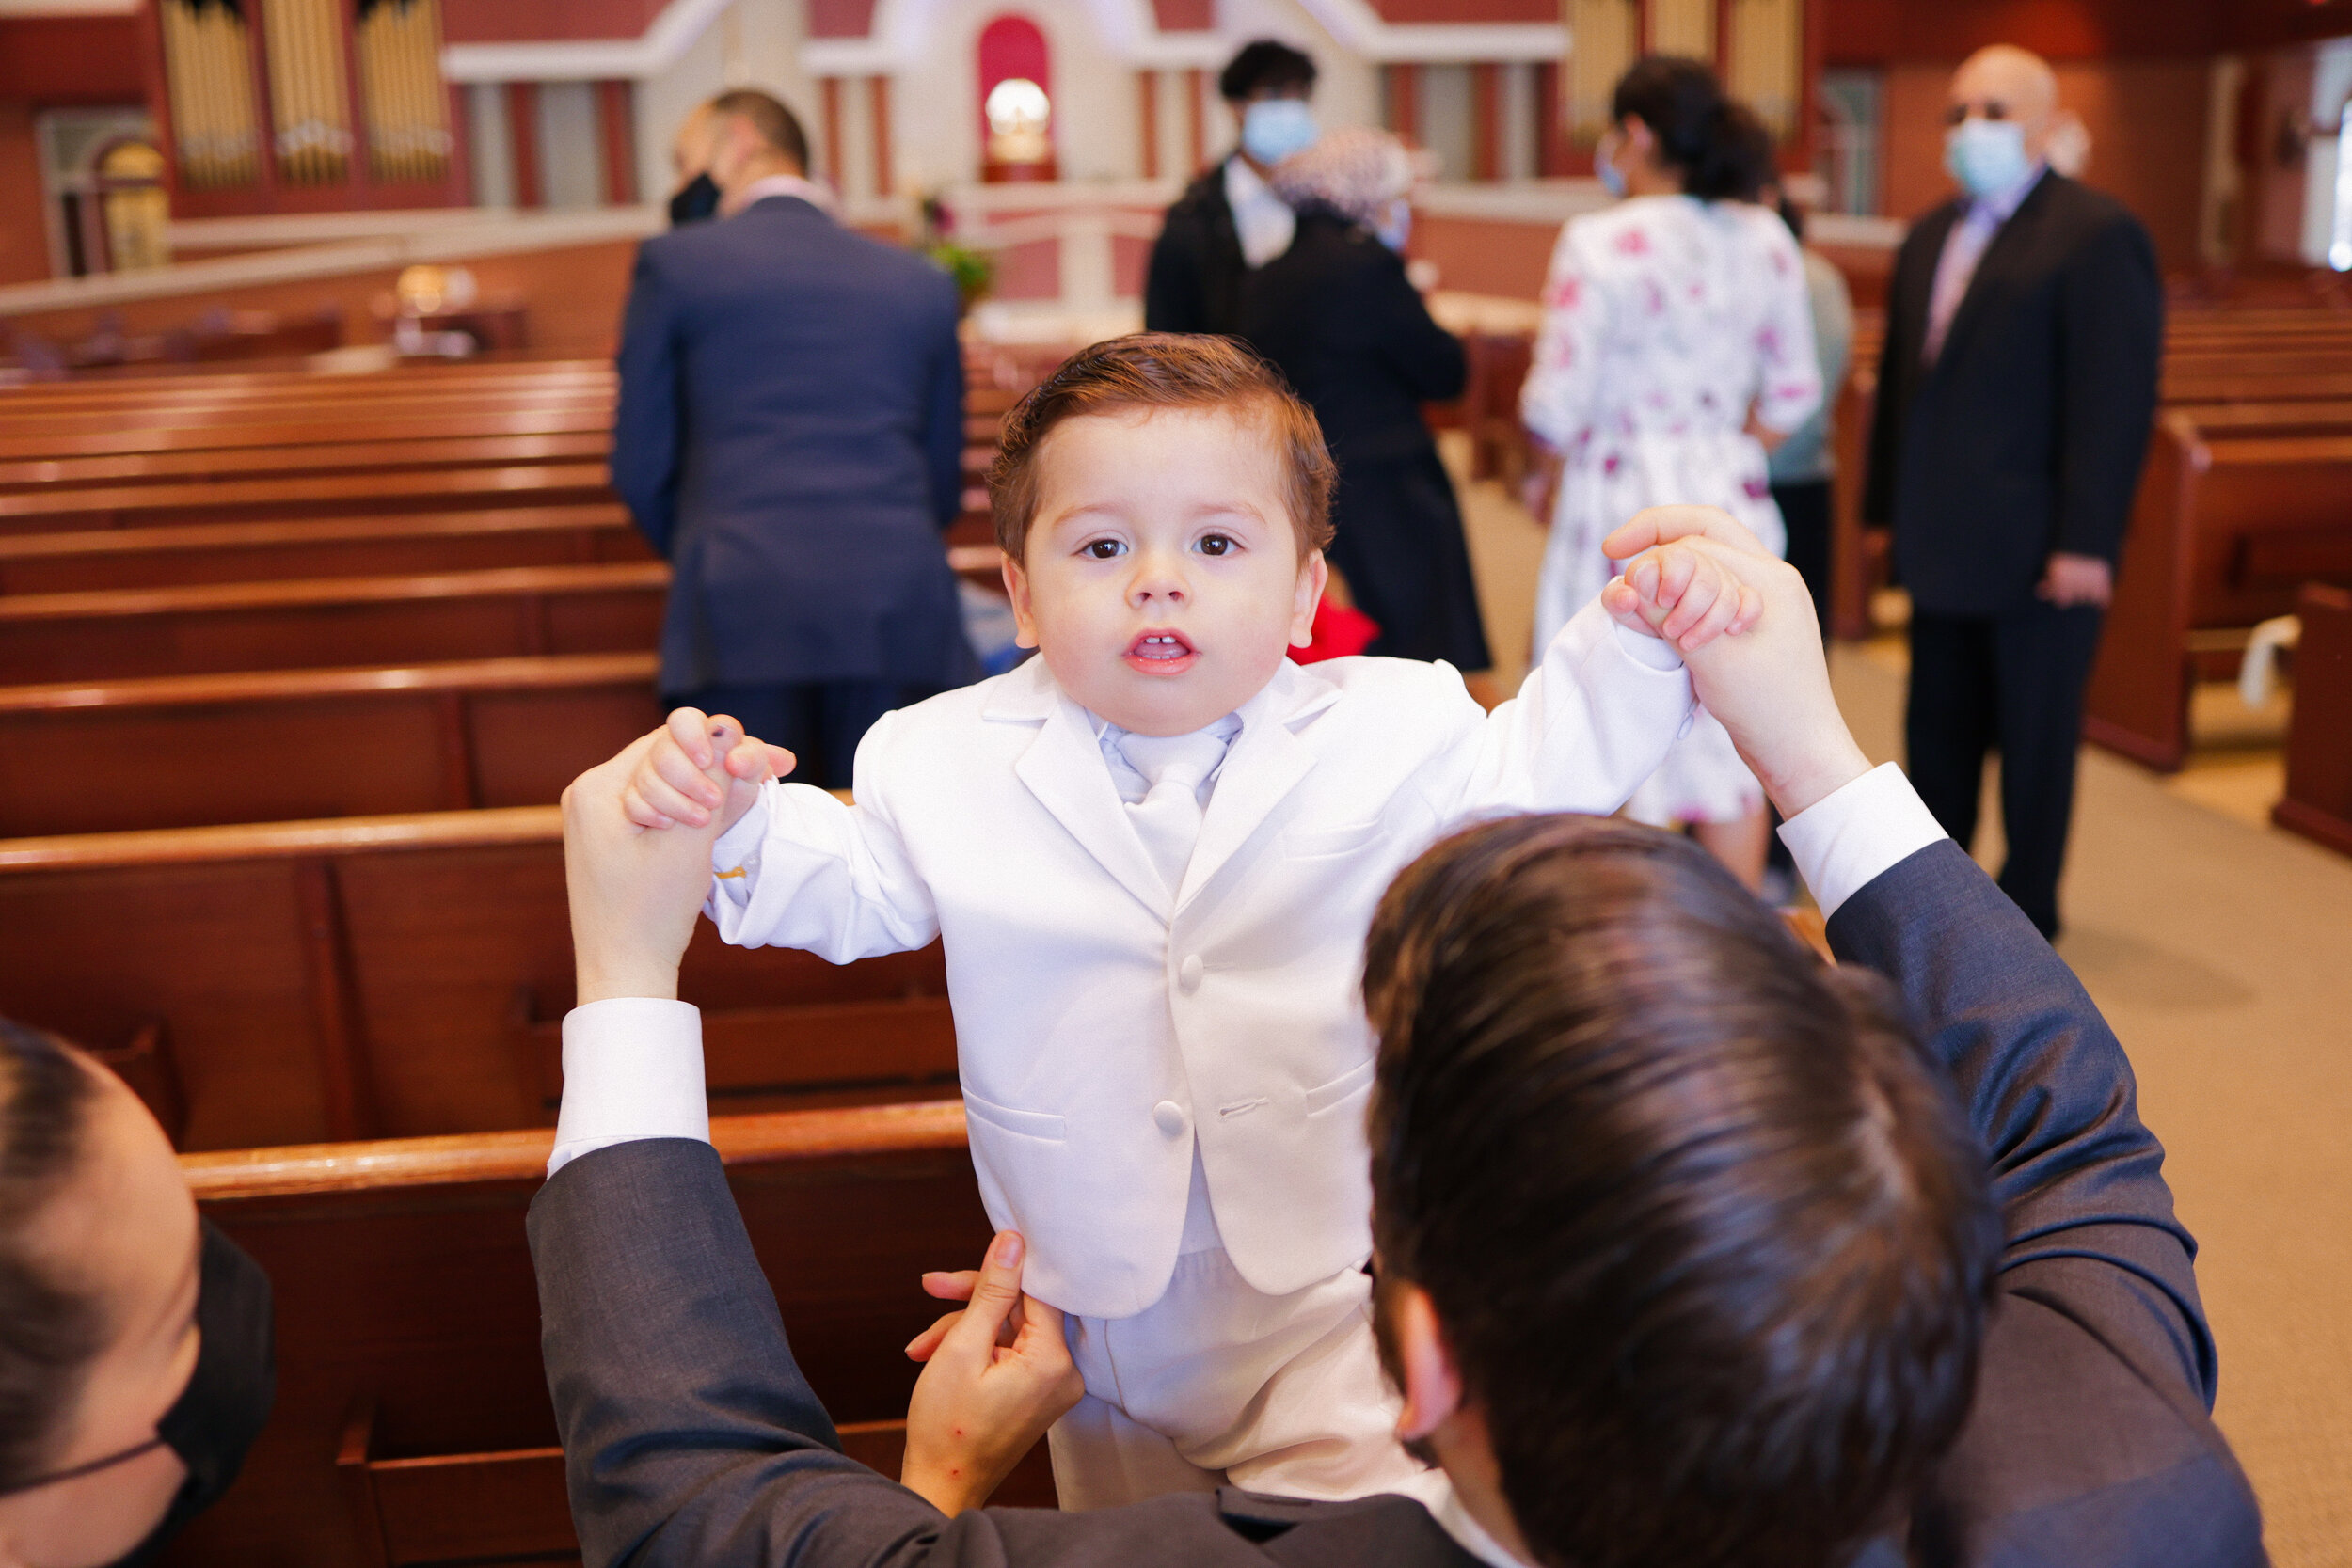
pixel 1168 818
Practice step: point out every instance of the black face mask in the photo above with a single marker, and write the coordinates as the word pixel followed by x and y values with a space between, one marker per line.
pixel 228 1398
pixel 697 199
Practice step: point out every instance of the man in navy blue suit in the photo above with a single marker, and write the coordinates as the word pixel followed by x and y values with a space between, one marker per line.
pixel 791 436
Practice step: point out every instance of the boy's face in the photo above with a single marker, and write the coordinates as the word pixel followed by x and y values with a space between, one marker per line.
pixel 1163 585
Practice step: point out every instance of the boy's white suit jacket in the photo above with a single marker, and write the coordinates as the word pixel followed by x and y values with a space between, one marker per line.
pixel 1101 1026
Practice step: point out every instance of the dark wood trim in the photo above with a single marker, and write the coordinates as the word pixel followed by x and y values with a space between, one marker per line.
pixel 522 141
pixel 1196 117
pixel 345 1079
pixel 878 105
pixel 616 128
pixel 1147 119
pixel 829 94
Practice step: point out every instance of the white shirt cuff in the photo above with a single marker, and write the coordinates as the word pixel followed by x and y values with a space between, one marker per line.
pixel 633 1068
pixel 1844 841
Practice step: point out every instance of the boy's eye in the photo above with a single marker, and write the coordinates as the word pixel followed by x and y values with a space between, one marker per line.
pixel 1217 543
pixel 1102 549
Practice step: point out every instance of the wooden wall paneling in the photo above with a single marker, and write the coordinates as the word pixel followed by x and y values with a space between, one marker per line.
pixel 1147 119
pixel 1196 114
pixel 829 90
pixel 1487 132
pixel 878 102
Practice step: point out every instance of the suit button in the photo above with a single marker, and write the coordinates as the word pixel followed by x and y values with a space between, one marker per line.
pixel 1188 972
pixel 1169 1118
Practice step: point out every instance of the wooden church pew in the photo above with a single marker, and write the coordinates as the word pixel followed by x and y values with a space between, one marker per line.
pixel 308 495
pixel 399 975
pixel 412 1422
pixel 218 628
pixel 188 750
pixel 359 451
pixel 2318 798
pixel 87 561
pixel 2224 533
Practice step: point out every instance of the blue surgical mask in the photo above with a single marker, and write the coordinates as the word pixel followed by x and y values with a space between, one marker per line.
pixel 1274 128
pixel 1605 164
pixel 1396 226
pixel 1986 156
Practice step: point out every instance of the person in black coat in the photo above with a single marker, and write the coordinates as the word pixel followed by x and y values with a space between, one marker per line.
pixel 2016 392
pixel 1337 315
pixel 1229 220
pixel 791 436
pixel 1691 1251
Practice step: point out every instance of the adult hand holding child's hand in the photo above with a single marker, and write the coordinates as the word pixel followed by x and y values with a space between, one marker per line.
pixel 697 763
pixel 1756 665
pixel 635 894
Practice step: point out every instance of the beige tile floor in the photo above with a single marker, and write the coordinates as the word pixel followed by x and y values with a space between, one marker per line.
pixel 2220 948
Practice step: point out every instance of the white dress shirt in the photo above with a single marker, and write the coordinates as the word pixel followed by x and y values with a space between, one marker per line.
pixel 1963 247
pixel 814 192
pixel 633 1066
pixel 1263 220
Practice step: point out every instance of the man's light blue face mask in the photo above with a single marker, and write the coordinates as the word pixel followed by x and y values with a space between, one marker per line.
pixel 1274 128
pixel 1986 156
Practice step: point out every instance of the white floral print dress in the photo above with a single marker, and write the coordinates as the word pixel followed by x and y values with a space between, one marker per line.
pixel 1665 319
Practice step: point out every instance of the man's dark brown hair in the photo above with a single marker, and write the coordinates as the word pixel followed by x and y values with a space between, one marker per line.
pixel 776 125
pixel 1164 370
pixel 1708 1237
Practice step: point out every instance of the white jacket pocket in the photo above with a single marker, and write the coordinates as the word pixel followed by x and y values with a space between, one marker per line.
pixel 1353 1085
pixel 1040 1125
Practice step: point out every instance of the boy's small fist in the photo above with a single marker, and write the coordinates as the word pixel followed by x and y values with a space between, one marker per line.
pixel 698 766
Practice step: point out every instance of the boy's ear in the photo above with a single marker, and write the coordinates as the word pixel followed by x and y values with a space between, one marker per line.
pixel 1017 590
pixel 1314 573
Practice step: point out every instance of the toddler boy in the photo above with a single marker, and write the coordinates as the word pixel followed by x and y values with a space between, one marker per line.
pixel 1153 853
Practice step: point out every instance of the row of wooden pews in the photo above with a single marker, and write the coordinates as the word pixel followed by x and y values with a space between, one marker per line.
pixel 292 671
pixel 2242 503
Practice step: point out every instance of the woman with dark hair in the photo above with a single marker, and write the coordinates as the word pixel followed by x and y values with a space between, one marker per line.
pixel 134 1339
pixel 1337 315
pixel 1677 349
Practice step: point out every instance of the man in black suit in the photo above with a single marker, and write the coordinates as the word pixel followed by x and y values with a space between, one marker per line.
pixel 1714 1281
pixel 791 436
pixel 1230 221
pixel 2016 390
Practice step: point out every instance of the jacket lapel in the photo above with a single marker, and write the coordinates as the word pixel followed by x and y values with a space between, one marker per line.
pixel 1064 769
pixel 2013 235
pixel 1266 764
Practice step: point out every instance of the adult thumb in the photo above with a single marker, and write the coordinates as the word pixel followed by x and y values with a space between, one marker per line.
pixel 996 1294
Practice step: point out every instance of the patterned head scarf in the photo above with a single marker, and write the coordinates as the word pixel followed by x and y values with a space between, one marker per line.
pixel 1357 173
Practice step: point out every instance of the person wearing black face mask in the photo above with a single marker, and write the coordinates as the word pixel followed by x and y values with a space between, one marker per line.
pixel 697 195
pixel 135 1360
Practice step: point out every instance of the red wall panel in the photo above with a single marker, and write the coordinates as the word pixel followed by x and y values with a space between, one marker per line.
pixel 545 20
pixel 1874 31
pixel 72 59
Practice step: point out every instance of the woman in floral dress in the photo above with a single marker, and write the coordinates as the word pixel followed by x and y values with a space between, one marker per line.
pixel 1676 347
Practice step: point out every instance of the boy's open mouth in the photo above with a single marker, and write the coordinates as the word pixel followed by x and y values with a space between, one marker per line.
pixel 1160 652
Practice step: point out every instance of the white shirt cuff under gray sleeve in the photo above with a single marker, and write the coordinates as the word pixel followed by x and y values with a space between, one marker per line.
pixel 1845 840
pixel 633 1068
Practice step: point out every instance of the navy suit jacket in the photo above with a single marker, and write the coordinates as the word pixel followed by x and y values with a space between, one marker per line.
pixel 690 1437
pixel 791 436
pixel 2027 434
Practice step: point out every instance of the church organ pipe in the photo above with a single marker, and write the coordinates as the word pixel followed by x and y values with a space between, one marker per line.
pixel 402 96
pixel 307 99
pixel 208 73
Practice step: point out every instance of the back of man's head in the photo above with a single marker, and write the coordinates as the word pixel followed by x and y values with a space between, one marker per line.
pixel 1266 68
pixel 1708 1241
pixel 775 127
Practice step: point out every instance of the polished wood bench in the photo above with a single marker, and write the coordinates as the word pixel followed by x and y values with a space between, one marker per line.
pixel 218 628
pixel 399 975
pixel 355 454
pixel 398 543
pixel 2318 798
pixel 2226 530
pixel 47 509
pixel 412 1422
pixel 267 746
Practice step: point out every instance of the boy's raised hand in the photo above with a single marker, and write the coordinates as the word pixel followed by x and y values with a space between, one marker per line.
pixel 697 764
pixel 1757 665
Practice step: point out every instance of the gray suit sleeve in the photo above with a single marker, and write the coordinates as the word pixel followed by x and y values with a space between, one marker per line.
pixel 2090 1441
pixel 690 1436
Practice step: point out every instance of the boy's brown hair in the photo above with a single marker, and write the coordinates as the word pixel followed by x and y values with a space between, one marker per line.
pixel 1163 370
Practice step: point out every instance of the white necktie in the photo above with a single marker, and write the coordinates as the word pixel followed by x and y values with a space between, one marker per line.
pixel 1168 818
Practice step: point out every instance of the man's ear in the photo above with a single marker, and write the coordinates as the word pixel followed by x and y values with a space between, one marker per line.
pixel 1314 573
pixel 1017 590
pixel 1432 1385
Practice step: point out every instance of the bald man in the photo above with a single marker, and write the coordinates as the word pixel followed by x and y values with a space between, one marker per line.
pixel 2016 390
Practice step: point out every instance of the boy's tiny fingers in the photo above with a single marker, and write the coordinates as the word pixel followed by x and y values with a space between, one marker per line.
pixel 686 726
